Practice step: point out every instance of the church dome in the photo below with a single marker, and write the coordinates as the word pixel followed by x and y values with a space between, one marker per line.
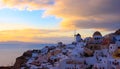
pixel 78 34
pixel 97 33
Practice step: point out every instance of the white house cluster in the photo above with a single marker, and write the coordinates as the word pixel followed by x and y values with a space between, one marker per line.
pixel 96 52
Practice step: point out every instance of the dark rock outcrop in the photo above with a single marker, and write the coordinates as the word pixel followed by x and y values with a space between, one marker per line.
pixel 22 60
pixel 9 67
pixel 117 32
pixel 19 61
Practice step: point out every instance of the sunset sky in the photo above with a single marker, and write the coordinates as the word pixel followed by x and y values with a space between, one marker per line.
pixel 49 21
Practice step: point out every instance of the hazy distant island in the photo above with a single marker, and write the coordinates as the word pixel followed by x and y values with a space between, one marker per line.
pixel 96 52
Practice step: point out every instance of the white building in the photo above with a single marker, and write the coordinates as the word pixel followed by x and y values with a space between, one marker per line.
pixel 112 48
pixel 72 64
pixel 117 42
pixel 88 40
pixel 78 38
pixel 100 66
pixel 97 37
pixel 102 53
pixel 113 64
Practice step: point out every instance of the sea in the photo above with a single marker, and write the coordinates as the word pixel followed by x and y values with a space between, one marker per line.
pixel 9 51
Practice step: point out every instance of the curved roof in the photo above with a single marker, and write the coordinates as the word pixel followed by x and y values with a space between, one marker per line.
pixel 78 34
pixel 97 33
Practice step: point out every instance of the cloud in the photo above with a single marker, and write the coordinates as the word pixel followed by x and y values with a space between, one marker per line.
pixel 106 25
pixel 27 4
pixel 75 14
pixel 87 14
pixel 12 26
pixel 35 35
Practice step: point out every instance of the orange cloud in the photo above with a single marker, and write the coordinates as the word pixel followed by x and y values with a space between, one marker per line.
pixel 12 26
pixel 35 35
pixel 79 14
pixel 87 14
pixel 27 4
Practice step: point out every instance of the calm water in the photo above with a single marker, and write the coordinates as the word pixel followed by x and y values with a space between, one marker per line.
pixel 10 51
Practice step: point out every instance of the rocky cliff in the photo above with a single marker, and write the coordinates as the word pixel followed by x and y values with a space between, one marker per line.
pixel 20 61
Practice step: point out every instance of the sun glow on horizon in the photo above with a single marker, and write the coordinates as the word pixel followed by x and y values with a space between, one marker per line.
pixel 56 18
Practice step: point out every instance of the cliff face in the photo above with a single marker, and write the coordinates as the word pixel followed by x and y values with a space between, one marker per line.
pixel 51 57
pixel 22 59
pixel 6 67
pixel 19 61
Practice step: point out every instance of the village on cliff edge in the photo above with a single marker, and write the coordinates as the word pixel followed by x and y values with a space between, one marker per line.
pixel 96 52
